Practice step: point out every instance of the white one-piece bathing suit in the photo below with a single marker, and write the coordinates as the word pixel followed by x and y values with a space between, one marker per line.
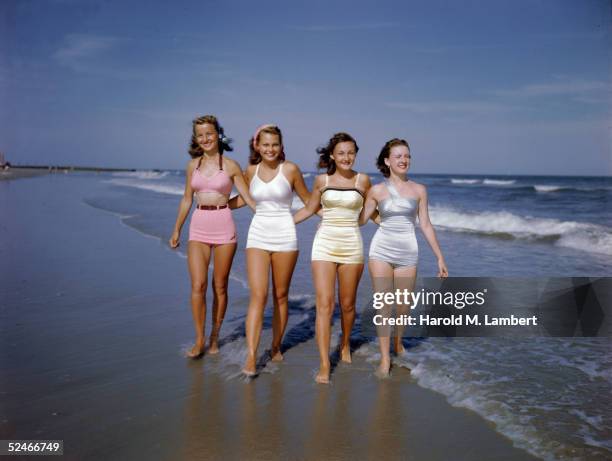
pixel 272 227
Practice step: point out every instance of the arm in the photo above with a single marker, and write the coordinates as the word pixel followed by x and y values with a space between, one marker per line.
pixel 369 207
pixel 184 207
pixel 313 202
pixel 236 175
pixel 297 182
pixel 237 201
pixel 299 186
pixel 429 232
pixel 369 193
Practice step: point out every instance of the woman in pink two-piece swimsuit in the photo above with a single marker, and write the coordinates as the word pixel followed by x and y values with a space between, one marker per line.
pixel 212 232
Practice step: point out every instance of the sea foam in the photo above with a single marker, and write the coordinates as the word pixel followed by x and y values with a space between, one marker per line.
pixel 160 188
pixel 142 174
pixel 499 182
pixel 571 234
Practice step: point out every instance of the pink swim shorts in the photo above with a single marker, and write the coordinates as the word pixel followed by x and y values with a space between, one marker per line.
pixel 214 227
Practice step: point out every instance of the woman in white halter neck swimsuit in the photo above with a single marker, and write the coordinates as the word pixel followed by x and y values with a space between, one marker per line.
pixel 272 241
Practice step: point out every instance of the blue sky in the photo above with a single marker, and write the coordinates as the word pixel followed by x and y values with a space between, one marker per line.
pixel 478 87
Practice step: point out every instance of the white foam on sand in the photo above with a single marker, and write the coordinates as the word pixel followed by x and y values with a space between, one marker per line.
pixel 495 378
pixel 237 278
pixel 142 174
pixel 306 299
pixel 169 189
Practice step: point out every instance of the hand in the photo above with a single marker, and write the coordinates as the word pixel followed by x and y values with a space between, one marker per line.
pixel 174 240
pixel 442 269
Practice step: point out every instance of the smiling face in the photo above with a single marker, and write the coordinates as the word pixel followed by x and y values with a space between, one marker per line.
pixel 269 146
pixel 344 155
pixel 398 160
pixel 207 138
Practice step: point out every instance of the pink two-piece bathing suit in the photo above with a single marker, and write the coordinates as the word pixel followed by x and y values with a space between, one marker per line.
pixel 212 226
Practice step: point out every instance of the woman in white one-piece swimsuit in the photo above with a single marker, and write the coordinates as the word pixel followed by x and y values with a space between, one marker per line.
pixel 272 227
pixel 272 241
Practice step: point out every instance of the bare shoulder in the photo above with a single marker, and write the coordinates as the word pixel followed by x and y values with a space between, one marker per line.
pixel 192 164
pixel 377 190
pixel 363 181
pixel 290 167
pixel 291 170
pixel 319 181
pixel 231 165
pixel 419 188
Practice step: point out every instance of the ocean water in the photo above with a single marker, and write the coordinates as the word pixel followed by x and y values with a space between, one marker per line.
pixel 549 395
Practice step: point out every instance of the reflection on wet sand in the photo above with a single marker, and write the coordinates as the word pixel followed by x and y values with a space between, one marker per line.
pixel 206 417
pixel 386 436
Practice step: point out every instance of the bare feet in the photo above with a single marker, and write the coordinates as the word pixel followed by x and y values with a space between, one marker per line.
pixel 250 366
pixel 213 344
pixel 323 375
pixel 345 354
pixel 383 370
pixel 197 350
pixel 276 355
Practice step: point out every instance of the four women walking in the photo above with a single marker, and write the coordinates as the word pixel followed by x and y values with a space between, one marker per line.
pixel 342 197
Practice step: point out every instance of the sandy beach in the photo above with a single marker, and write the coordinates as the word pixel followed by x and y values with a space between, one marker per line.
pixel 95 320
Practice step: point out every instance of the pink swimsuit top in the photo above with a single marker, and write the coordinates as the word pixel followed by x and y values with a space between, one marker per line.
pixel 219 182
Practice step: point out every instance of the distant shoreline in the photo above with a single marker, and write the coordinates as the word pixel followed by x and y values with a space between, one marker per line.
pixel 27 171
pixel 73 168
pixel 21 171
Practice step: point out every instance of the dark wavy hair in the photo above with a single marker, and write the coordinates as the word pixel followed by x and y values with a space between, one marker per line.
pixel 255 157
pixel 325 160
pixel 224 143
pixel 384 153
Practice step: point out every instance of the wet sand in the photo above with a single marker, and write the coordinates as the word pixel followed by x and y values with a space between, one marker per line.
pixel 94 319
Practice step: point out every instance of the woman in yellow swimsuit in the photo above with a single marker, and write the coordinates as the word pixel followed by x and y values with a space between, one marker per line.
pixel 337 250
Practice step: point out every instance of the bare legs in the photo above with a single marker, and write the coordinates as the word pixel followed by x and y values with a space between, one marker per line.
pixel 382 281
pixel 259 263
pixel 385 278
pixel 404 278
pixel 283 264
pixel 224 256
pixel 324 276
pixel 198 259
pixel 348 280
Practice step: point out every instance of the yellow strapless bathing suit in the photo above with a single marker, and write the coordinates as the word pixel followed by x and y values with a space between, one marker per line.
pixel 338 239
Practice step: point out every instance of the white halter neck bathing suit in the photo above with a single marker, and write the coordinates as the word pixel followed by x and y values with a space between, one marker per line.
pixel 272 227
